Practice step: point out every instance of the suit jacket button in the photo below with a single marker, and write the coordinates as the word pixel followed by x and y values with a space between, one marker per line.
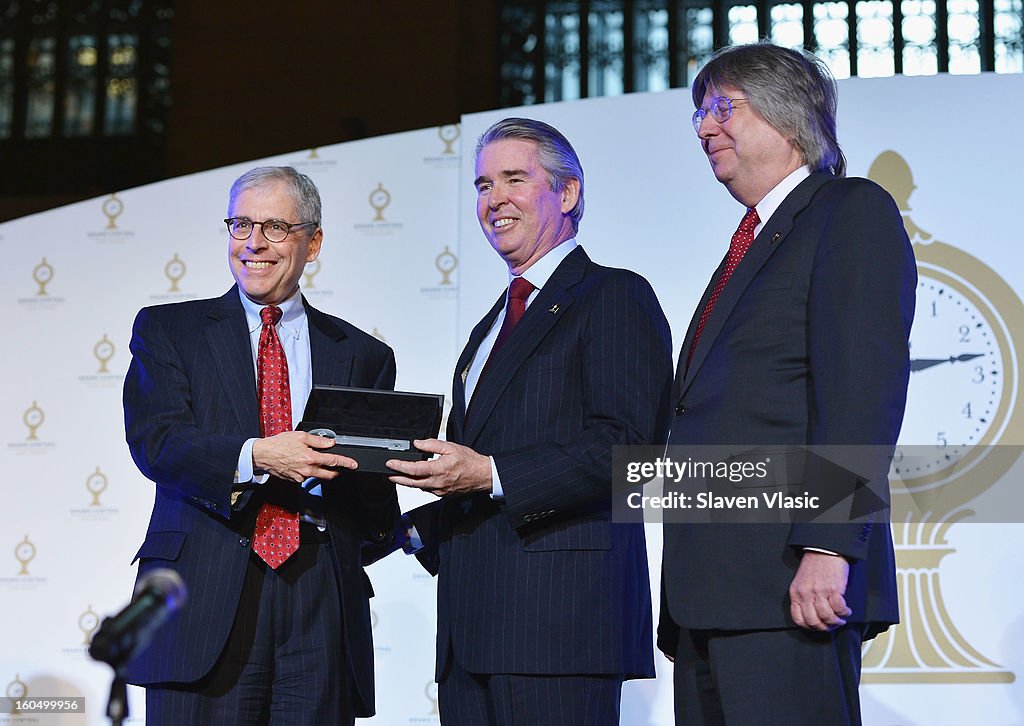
pixel 244 541
pixel 680 409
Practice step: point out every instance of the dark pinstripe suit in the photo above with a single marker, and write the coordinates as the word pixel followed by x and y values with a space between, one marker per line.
pixel 190 403
pixel 544 583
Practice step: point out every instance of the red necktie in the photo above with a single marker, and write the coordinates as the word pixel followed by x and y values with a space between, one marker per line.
pixel 518 293
pixel 742 238
pixel 277 530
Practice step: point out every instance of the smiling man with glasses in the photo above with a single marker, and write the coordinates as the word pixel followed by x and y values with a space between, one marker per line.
pixel 801 339
pixel 276 629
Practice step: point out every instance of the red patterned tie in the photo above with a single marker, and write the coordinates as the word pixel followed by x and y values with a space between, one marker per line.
pixel 277 530
pixel 518 293
pixel 742 238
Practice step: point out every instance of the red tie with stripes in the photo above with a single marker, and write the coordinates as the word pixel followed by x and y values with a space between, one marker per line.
pixel 277 530
pixel 742 238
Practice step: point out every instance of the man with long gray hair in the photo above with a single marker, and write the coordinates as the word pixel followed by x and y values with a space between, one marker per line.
pixel 800 340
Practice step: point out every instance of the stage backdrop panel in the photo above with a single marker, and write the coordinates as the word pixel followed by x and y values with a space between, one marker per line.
pixel 404 258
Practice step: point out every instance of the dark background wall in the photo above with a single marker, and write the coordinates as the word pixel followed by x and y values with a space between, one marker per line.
pixel 252 79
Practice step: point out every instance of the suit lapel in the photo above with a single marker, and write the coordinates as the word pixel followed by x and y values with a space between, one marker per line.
pixel 771 237
pixel 457 416
pixel 546 310
pixel 227 334
pixel 331 364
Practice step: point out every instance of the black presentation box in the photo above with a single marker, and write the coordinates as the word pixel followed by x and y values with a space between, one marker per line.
pixel 373 426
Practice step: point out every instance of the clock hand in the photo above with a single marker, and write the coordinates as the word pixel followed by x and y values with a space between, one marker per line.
pixel 964 357
pixel 920 364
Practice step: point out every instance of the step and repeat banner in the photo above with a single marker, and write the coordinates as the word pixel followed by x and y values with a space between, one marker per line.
pixel 404 258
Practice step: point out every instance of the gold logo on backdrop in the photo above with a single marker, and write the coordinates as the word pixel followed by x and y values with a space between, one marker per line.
pixel 311 271
pixel 430 691
pixel 104 351
pixel 87 623
pixel 313 153
pixel 33 418
pixel 968 327
pixel 17 690
pixel 42 274
pixel 449 134
pixel 380 198
pixel 96 483
pixel 112 209
pixel 24 552
pixel 175 270
pixel 446 262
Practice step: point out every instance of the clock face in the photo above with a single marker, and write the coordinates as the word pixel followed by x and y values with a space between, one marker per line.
pixel 33 417
pixel 380 198
pixel 113 207
pixel 25 552
pixel 957 378
pixel 175 268
pixel 44 273
pixel 104 349
pixel 88 621
pixel 16 689
pixel 446 263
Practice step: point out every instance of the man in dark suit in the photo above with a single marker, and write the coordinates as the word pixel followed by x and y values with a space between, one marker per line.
pixel 276 629
pixel 800 340
pixel 543 602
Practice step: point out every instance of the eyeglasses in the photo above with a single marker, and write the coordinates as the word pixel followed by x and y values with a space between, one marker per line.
pixel 720 109
pixel 275 230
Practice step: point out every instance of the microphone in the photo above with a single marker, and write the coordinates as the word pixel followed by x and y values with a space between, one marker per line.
pixel 159 594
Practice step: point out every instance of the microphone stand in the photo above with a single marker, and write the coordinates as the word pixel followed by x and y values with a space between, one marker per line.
pixel 117 703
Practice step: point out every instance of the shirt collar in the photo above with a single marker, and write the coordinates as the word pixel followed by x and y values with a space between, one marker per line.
pixel 541 271
pixel 773 199
pixel 292 313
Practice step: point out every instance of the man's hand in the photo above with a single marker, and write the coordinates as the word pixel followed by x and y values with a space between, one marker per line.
pixel 816 595
pixel 294 456
pixel 457 469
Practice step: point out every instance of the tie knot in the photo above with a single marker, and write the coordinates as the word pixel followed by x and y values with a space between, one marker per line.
pixel 520 288
pixel 270 315
pixel 750 220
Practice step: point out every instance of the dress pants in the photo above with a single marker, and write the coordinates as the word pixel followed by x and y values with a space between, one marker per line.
pixel 284 662
pixel 786 677
pixel 471 699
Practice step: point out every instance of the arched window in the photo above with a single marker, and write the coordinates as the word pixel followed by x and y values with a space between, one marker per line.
pixel 81 82
pixel 557 49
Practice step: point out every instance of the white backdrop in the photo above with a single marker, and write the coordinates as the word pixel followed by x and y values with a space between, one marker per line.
pixel 404 258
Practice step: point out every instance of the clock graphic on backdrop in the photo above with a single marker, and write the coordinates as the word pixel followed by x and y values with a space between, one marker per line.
pixel 961 434
pixel 964 376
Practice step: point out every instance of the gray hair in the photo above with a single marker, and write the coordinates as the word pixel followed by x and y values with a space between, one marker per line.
pixel 792 90
pixel 301 189
pixel 556 154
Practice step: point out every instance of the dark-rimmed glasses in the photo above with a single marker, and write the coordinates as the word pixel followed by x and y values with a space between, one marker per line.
pixel 275 230
pixel 720 109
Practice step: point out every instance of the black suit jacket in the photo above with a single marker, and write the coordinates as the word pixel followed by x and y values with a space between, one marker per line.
pixel 807 345
pixel 190 404
pixel 544 582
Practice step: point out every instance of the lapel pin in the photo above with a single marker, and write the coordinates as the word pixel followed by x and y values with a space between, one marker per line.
pixel 776 237
pixel 553 309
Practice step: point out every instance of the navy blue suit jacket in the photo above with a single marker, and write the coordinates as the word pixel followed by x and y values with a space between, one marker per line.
pixel 544 582
pixel 807 345
pixel 190 404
